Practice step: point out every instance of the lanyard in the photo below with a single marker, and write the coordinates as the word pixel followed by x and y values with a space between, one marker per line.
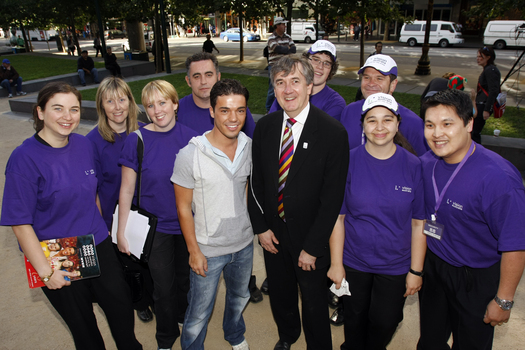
pixel 439 197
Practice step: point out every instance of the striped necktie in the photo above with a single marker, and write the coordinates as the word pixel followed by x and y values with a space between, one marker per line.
pixel 285 160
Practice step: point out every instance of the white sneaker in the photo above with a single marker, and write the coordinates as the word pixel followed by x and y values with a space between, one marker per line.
pixel 21 93
pixel 241 346
pixel 10 95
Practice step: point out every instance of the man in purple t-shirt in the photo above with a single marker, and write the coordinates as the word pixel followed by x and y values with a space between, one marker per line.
pixel 379 74
pixel 202 72
pixel 475 210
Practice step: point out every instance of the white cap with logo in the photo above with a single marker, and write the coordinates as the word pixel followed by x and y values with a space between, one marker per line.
pixel 380 100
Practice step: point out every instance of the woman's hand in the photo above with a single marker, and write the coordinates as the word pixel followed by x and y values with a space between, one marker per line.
pixel 413 284
pixel 336 273
pixel 123 245
pixel 57 281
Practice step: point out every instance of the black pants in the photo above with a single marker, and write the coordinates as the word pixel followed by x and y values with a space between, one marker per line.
pixel 114 68
pixel 99 49
pixel 374 309
pixel 453 300
pixel 170 271
pixel 283 278
pixel 74 303
pixel 479 123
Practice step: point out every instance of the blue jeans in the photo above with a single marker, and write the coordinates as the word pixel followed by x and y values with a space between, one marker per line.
pixel 82 74
pixel 237 268
pixel 271 95
pixel 6 85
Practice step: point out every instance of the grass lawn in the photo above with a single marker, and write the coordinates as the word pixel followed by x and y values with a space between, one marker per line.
pixel 33 67
pixel 37 67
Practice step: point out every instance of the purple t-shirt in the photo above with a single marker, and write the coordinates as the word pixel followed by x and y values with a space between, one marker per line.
pixel 412 127
pixel 109 173
pixel 160 149
pixel 327 100
pixel 200 120
pixel 53 189
pixel 382 196
pixel 483 210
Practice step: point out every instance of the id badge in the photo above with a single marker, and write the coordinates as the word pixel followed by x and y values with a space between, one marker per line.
pixel 433 229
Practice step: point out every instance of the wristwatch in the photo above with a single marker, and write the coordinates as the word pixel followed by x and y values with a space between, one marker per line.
pixel 505 305
pixel 46 279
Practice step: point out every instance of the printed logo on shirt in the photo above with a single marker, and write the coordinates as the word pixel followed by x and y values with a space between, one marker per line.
pixel 455 204
pixel 89 172
pixel 403 188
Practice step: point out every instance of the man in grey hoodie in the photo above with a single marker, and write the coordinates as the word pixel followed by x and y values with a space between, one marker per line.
pixel 210 177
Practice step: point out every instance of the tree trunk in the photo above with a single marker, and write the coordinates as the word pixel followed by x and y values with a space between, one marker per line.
pixel 136 36
pixel 25 37
pixel 386 34
pixel 158 41
pixel 241 38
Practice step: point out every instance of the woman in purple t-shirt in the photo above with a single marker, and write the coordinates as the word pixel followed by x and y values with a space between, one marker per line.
pixel 378 244
pixel 117 118
pixel 168 264
pixel 50 192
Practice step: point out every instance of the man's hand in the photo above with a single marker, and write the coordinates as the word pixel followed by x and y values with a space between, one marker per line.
pixel 267 240
pixel 199 263
pixel 486 115
pixel 306 261
pixel 495 315
pixel 11 80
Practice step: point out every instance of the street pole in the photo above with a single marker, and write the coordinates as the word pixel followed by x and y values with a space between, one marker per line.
pixel 423 65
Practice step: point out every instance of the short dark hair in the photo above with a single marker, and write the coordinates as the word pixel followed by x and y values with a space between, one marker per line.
pixel 201 56
pixel 289 63
pixel 458 100
pixel 227 87
pixel 488 51
pixel 335 63
pixel 379 42
pixel 46 94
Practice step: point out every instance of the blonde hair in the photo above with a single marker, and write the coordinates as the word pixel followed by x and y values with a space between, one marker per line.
pixel 113 87
pixel 164 88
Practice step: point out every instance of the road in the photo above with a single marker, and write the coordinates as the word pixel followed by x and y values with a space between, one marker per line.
pixel 461 60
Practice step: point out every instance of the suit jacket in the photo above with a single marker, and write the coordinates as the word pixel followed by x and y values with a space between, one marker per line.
pixel 314 189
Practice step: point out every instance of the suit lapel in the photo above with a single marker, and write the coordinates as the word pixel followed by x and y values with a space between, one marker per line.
pixel 274 152
pixel 306 142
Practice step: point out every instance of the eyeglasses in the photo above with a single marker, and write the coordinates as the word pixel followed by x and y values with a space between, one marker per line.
pixel 316 61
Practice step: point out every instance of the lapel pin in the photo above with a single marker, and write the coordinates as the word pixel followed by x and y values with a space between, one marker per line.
pixel 305 145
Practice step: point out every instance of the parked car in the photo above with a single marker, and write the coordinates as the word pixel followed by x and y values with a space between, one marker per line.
pixel 233 34
pixel 501 34
pixel 114 34
pixel 441 32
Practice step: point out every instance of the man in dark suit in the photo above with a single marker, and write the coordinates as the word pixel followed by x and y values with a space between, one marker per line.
pixel 300 162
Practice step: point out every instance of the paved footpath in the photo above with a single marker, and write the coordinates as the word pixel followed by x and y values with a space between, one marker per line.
pixel 28 320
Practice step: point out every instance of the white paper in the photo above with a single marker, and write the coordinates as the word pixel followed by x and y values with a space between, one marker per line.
pixel 136 231
pixel 344 290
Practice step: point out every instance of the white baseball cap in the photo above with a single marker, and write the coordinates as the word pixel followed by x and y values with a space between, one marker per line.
pixel 384 64
pixel 380 100
pixel 279 20
pixel 323 45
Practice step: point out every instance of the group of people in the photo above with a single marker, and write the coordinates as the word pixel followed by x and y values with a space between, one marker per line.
pixel 367 195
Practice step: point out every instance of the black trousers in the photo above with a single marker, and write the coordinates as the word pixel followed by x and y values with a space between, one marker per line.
pixel 114 68
pixel 373 311
pixel 170 271
pixel 479 124
pixel 74 303
pixel 283 278
pixel 453 300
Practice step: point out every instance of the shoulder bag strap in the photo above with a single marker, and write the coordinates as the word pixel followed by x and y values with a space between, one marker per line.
pixel 140 155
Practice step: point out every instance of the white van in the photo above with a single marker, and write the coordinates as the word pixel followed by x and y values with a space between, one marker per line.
pixel 305 31
pixel 504 33
pixel 441 32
